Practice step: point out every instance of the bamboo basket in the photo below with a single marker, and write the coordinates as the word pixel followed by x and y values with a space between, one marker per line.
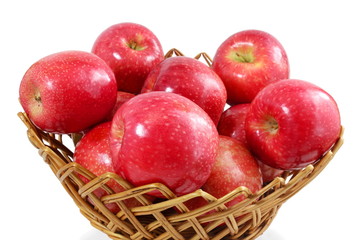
pixel 169 218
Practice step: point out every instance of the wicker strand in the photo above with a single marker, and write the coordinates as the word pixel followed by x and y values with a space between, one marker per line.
pixel 173 52
pixel 205 56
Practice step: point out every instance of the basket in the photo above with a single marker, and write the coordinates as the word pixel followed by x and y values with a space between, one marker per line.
pixel 168 218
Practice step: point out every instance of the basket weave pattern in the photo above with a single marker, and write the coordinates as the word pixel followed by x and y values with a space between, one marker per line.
pixel 170 218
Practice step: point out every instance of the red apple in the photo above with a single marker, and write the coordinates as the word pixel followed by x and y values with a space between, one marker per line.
pixel 121 98
pixel 163 137
pixel 291 124
pixel 192 79
pixel 232 124
pixel 248 61
pixel 93 153
pixel 68 92
pixel 131 50
pixel 269 173
pixel 234 167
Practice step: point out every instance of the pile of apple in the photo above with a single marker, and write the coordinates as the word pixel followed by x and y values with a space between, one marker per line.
pixel 177 121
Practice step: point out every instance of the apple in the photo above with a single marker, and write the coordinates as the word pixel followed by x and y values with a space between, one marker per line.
pixel 131 50
pixel 247 61
pixel 162 137
pixel 232 124
pixel 269 173
pixel 121 98
pixel 93 152
pixel 192 79
pixel 235 166
pixel 68 92
pixel 291 124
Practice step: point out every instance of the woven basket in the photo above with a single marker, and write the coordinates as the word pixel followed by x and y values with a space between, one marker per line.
pixel 169 218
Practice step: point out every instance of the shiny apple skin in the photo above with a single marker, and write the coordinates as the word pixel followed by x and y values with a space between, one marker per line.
pixel 269 173
pixel 192 79
pixel 68 92
pixel 291 124
pixel 232 122
pixel 235 166
pixel 93 153
pixel 131 50
pixel 121 98
pixel 247 61
pixel 166 138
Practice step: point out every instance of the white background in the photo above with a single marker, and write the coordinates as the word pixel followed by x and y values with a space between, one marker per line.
pixel 321 39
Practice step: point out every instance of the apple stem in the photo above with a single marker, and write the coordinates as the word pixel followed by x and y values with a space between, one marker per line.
pixel 135 46
pixel 38 98
pixel 245 58
pixel 272 126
